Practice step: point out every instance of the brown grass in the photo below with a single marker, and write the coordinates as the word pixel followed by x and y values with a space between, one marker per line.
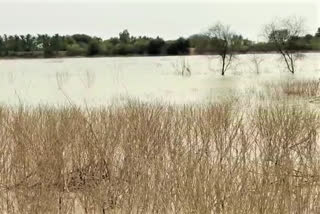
pixel 152 158
pixel 300 88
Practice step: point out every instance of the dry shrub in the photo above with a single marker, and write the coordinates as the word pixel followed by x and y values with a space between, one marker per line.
pixel 302 88
pixel 287 145
pixel 307 88
pixel 152 158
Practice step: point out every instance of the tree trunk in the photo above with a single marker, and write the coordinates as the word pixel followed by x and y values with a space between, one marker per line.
pixel 286 59
pixel 223 64
pixel 292 65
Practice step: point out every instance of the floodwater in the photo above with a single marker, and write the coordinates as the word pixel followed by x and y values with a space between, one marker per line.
pixel 101 81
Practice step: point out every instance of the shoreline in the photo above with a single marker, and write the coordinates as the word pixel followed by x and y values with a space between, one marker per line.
pixel 132 56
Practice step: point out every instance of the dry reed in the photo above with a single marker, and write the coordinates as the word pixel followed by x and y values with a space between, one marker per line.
pixel 152 158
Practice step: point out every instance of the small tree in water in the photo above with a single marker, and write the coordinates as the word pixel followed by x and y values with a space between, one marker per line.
pixel 223 41
pixel 283 35
pixel 256 60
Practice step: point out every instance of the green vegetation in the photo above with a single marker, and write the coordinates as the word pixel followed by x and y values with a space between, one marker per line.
pixel 125 44
pixel 84 45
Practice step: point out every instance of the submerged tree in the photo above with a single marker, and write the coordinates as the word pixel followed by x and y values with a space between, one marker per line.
pixel 256 60
pixel 223 42
pixel 283 34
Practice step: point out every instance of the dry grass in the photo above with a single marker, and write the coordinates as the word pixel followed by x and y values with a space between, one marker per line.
pixel 301 88
pixel 151 158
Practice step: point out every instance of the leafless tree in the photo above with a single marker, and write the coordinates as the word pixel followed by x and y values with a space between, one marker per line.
pixel 62 78
pixel 222 38
pixel 182 67
pixel 256 60
pixel 283 34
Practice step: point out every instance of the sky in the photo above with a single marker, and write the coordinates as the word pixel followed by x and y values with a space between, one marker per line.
pixel 168 19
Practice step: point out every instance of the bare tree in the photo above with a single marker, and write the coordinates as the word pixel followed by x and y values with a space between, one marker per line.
pixel 256 60
pixel 283 34
pixel 223 41
pixel 182 67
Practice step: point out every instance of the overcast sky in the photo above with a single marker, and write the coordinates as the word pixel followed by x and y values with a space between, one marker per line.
pixel 166 18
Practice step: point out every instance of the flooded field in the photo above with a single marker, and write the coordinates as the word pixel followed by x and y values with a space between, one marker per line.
pixel 100 81
pixel 245 144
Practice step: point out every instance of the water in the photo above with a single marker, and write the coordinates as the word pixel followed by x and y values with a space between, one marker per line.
pixel 101 81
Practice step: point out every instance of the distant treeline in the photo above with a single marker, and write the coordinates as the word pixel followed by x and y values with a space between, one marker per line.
pixel 125 44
